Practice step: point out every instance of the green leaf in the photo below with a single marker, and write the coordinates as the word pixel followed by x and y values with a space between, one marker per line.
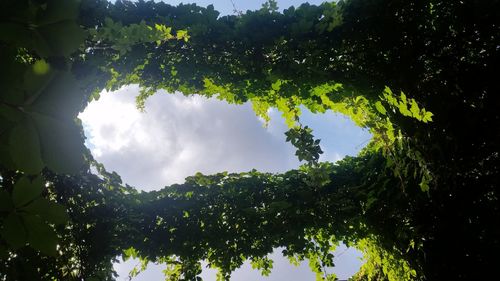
pixel 403 109
pixel 403 98
pixel 427 117
pixel 26 190
pixel 5 158
pixel 41 236
pixel 13 231
pixel 61 144
pixel 17 33
pixel 5 201
pixel 36 79
pixel 11 114
pixel 61 98
pixel 388 91
pixel 380 108
pixel 41 67
pixel 24 147
pixel 415 110
pixel 182 35
pixel 11 76
pixel 54 32
pixel 57 214
pixel 50 211
pixel 129 253
pixel 59 10
pixel 61 38
pixel 39 206
pixel 424 186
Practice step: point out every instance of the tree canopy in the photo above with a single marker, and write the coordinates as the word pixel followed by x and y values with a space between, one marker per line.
pixel 421 200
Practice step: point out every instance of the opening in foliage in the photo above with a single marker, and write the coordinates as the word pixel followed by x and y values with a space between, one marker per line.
pixel 178 136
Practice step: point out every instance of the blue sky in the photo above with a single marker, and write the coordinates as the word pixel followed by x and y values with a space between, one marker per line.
pixel 225 6
pixel 179 136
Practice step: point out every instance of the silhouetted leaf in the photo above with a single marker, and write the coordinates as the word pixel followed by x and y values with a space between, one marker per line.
pixel 26 190
pixel 61 144
pixel 24 147
pixel 13 231
pixel 40 235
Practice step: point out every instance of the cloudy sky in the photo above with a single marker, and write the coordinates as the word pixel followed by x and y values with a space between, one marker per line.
pixel 178 136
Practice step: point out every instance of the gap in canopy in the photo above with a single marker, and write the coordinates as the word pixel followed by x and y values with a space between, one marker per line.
pixel 347 262
pixel 178 136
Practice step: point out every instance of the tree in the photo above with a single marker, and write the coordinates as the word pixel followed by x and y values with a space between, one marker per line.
pixel 421 200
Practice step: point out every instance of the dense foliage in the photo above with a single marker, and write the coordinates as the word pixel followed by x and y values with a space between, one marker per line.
pixel 421 200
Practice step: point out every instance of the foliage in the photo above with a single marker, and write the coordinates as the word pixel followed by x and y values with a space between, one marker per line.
pixel 307 147
pixel 123 38
pixel 382 264
pixel 421 200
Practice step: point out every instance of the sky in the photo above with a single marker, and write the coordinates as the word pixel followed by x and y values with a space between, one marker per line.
pixel 178 136
pixel 225 7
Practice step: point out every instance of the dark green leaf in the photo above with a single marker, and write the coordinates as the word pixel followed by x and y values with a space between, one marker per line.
pixel 50 211
pixel 62 38
pixel 34 83
pixel 5 201
pixel 38 207
pixel 13 231
pixel 61 143
pixel 57 214
pixel 25 148
pixel 41 236
pixel 26 190
pixel 17 33
pixel 11 114
pixel 11 74
pixel 59 10
pixel 60 98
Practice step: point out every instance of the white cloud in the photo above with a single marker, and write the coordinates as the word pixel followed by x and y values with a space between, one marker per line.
pixel 178 136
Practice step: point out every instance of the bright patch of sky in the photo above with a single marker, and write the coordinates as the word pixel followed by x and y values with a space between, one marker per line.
pixel 178 136
pixel 347 262
pixel 225 7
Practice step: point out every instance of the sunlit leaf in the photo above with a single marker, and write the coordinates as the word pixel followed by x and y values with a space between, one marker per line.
pixel 41 67
pixel 427 117
pixel 415 110
pixel 380 108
